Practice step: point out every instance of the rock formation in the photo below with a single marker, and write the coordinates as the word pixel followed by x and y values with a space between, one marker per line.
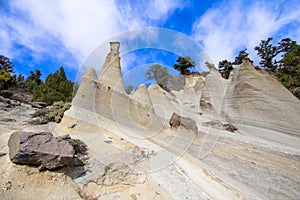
pixel 240 99
pixel 105 95
pixel 249 120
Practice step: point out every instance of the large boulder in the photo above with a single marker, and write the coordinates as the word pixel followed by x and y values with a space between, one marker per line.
pixel 42 149
pixel 188 123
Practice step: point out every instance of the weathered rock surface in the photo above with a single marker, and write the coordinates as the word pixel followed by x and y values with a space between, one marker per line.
pixel 8 102
pixel 186 122
pixel 42 149
pixel 258 98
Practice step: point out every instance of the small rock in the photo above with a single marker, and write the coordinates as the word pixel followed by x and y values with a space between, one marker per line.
pixel 133 196
pixel 2 154
pixel 39 120
pixel 205 104
pixel 219 125
pixel 38 104
pixel 7 185
pixel 108 141
pixel 72 125
pixel 230 127
pixel 4 105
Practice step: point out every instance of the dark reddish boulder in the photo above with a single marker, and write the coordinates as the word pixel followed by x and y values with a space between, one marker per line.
pixel 174 120
pixel 188 123
pixel 42 149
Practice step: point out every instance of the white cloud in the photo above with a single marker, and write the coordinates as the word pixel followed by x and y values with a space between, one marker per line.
pixel 234 25
pixel 60 28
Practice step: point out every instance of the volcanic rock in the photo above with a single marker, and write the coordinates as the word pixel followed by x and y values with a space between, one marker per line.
pixel 41 149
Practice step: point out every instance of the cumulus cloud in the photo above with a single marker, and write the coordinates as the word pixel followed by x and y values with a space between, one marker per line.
pixel 73 27
pixel 232 26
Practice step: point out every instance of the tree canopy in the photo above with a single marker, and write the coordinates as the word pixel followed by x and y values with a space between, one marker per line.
pixel 289 71
pixel 6 72
pixel 56 88
pixel 129 89
pixel 241 56
pixel 33 80
pixel 268 52
pixel 6 64
pixel 159 74
pixel 183 65
pixel 225 67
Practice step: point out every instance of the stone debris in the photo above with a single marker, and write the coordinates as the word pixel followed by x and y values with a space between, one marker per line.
pixel 220 125
pixel 7 103
pixel 7 185
pixel 117 174
pixel 188 123
pixel 52 113
pixel 108 141
pixel 205 104
pixel 133 196
pixel 138 153
pixel 45 150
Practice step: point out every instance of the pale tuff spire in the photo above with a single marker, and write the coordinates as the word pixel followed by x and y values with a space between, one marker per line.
pixel 110 74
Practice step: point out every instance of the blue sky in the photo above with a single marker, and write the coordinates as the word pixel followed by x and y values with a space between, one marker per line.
pixel 51 33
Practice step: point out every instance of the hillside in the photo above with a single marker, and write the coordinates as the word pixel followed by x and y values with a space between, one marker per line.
pixel 135 154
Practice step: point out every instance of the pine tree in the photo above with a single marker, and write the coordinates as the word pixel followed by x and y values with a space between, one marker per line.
pixel 184 64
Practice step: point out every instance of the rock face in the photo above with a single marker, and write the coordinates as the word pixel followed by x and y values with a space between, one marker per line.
pixel 41 149
pixel 85 96
pixel 162 101
pixel 214 92
pixel 186 122
pixel 140 106
pixel 257 98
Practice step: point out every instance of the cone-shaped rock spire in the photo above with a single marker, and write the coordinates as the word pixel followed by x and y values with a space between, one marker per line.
pixel 110 74
pixel 141 95
pixel 85 96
